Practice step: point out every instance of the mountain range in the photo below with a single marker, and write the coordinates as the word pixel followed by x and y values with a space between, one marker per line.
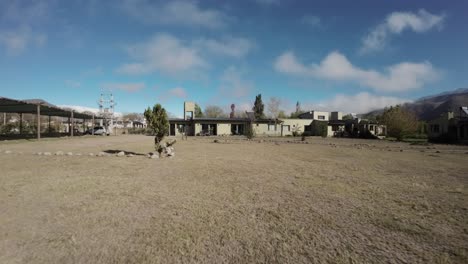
pixel 432 106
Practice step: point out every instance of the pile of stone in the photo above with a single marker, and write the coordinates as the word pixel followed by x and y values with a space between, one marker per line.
pixel 165 150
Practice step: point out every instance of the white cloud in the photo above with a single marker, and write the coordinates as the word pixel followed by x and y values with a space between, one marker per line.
pixel 234 85
pixel 397 22
pixel 228 46
pixel 268 2
pixel 360 103
pixel 92 72
pixel 396 78
pixel 164 53
pixel 19 22
pixel 82 109
pixel 186 13
pixel 72 83
pixel 178 92
pixel 312 21
pixel 25 12
pixel 128 87
pixel 245 106
pixel 16 41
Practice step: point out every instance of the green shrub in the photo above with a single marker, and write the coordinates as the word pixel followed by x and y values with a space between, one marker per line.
pixel 250 132
pixel 415 136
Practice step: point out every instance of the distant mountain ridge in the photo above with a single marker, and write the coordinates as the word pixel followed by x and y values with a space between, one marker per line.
pixel 432 106
pixel 39 101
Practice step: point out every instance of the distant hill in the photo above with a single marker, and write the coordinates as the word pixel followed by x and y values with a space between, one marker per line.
pixel 39 101
pixel 430 107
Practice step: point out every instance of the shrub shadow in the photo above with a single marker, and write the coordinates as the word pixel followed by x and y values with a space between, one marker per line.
pixel 115 151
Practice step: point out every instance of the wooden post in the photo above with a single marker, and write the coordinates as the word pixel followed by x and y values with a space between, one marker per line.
pixel 21 123
pixel 72 124
pixel 92 127
pixel 38 122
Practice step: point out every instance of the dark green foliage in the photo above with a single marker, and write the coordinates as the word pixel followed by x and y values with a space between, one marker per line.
pixel 297 112
pixel 319 128
pixel 348 117
pixel 282 114
pixel 8 128
pixel 294 115
pixel 158 123
pixel 259 107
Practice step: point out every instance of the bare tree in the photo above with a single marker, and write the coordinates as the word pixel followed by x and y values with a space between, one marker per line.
pixel 132 116
pixel 214 111
pixel 273 107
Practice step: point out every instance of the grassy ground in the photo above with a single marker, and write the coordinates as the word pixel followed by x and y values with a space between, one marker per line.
pixel 329 201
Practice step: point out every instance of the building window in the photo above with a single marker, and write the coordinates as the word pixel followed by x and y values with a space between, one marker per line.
pixel 435 128
pixel 371 128
pixel 321 117
pixel 271 127
pixel 286 128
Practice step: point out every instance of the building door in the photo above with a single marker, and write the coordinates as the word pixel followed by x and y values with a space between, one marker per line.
pixel 237 129
pixel 172 129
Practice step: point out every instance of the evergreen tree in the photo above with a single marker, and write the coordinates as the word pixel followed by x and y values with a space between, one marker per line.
pixel 158 123
pixel 258 107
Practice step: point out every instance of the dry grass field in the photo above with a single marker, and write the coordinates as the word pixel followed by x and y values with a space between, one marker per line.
pixel 329 201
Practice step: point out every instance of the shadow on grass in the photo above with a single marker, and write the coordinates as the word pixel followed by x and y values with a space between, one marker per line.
pixel 115 151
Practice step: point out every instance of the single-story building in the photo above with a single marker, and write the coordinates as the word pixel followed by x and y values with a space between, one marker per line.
pixel 313 123
pixel 450 127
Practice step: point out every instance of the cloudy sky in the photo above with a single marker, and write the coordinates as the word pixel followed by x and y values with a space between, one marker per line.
pixel 353 56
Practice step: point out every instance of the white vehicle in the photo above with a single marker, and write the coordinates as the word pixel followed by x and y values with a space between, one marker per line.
pixel 99 130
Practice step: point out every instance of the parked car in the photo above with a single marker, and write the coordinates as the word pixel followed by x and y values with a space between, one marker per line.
pixel 99 130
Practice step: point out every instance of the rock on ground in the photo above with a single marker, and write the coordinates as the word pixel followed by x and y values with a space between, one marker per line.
pixel 121 154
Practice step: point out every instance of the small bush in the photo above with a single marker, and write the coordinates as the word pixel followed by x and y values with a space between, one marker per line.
pixel 8 128
pixel 367 135
pixel 250 132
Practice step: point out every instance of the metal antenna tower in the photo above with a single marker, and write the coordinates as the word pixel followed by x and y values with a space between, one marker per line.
pixel 106 108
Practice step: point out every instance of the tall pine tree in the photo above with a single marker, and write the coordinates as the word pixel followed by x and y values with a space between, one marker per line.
pixel 258 107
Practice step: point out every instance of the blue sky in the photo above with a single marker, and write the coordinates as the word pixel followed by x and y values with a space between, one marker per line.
pixel 352 56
